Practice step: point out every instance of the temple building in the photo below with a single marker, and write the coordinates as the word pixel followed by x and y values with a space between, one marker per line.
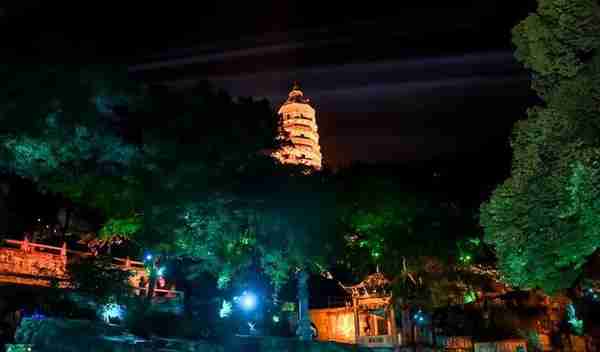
pixel 298 132
pixel 367 320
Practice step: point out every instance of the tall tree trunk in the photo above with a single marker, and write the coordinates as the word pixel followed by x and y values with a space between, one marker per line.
pixel 3 216
pixel 151 285
pixel 4 209
pixel 304 330
pixel 184 285
pixel 152 278
pixel 407 335
pixel 68 212
pixel 413 331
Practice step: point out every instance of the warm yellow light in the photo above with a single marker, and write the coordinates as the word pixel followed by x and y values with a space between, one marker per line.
pixel 298 132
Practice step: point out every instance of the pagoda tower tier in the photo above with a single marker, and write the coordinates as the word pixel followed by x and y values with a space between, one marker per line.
pixel 298 132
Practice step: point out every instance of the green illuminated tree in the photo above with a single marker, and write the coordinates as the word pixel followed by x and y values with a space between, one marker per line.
pixel 180 173
pixel 544 220
pixel 409 233
pixel 272 219
pixel 58 130
pixel 99 278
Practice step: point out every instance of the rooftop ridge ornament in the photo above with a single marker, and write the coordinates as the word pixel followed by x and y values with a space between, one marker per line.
pixel 296 96
pixel 374 285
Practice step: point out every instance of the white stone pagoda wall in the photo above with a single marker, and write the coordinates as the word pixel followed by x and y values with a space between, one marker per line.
pixel 299 132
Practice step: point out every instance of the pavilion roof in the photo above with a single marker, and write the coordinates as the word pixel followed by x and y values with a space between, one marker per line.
pixel 374 285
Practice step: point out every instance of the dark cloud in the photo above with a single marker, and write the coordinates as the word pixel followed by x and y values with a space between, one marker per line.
pixel 434 79
pixel 402 110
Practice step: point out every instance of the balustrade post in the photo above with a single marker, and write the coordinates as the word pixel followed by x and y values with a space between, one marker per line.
pixel 25 244
pixel 127 263
pixel 63 252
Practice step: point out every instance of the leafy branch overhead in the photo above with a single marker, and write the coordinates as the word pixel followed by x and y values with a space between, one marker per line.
pixel 543 220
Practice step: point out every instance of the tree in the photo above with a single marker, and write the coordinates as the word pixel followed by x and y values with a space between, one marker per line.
pixel 409 232
pixel 58 130
pixel 272 220
pixel 543 220
pixel 227 205
pixel 179 174
pixel 99 278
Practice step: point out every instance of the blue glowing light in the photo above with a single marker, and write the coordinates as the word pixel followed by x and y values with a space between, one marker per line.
pixel 36 316
pixel 148 256
pixel 248 301
pixel 161 271
pixel 591 294
pixel 419 317
pixel 112 311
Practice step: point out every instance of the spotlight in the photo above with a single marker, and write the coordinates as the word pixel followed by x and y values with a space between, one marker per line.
pixel 248 301
pixel 161 271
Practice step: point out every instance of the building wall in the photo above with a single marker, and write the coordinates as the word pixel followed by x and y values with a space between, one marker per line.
pixel 334 324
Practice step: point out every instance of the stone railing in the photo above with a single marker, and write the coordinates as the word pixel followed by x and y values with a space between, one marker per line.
pixel 80 335
pixel 25 263
pixel 502 346
pixel 455 343
pixel 35 264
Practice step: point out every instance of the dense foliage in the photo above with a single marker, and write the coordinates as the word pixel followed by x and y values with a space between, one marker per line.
pixel 182 174
pixel 99 278
pixel 57 130
pixel 544 220
pixel 415 236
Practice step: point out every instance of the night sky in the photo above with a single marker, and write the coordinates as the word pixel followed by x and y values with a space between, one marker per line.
pixel 429 82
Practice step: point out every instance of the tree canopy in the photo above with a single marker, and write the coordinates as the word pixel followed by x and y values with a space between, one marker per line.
pixel 544 219
pixel 180 173
pixel 407 231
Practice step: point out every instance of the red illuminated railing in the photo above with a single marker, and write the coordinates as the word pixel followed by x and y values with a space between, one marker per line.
pixel 30 246
pixel 131 265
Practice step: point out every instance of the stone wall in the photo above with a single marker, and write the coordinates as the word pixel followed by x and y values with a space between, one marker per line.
pixel 280 344
pixel 516 345
pixel 30 268
pixel 53 335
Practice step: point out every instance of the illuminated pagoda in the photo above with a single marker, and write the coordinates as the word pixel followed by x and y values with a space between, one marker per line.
pixel 298 132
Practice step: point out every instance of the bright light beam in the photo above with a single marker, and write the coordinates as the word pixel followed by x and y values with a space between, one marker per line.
pixel 248 301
